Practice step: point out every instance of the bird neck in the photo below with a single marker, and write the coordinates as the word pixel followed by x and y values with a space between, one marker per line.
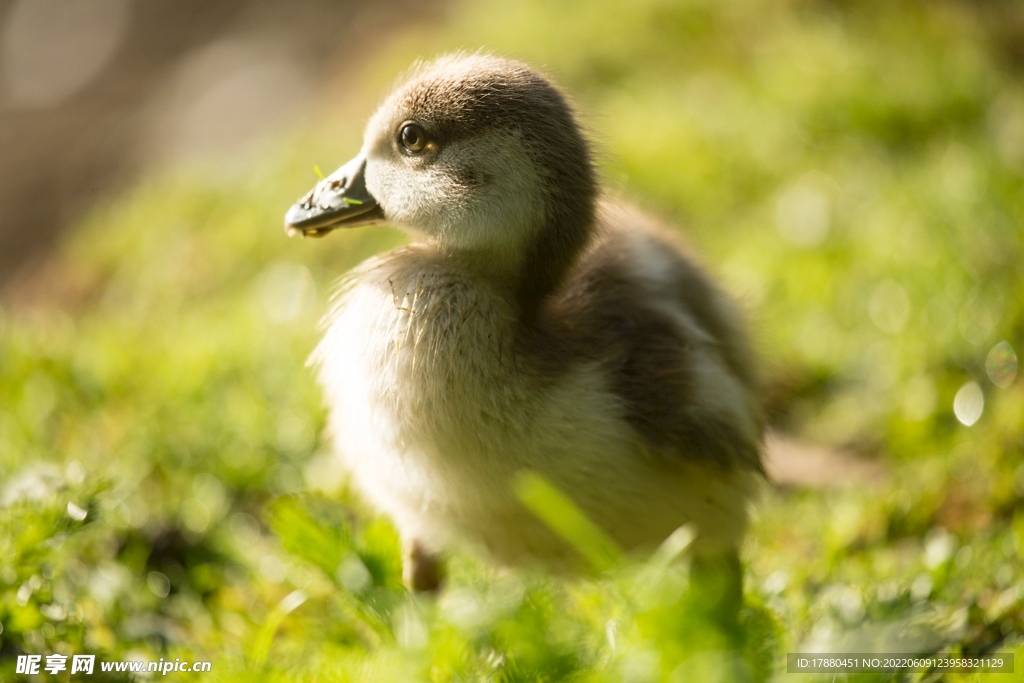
pixel 526 277
pixel 551 254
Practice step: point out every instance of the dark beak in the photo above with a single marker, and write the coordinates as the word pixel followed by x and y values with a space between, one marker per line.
pixel 338 201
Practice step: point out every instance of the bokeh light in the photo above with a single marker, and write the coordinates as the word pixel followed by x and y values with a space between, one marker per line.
pixel 969 403
pixel 1001 364
pixel 50 49
pixel 802 215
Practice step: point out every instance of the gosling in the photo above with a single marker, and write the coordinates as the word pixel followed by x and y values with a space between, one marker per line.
pixel 531 326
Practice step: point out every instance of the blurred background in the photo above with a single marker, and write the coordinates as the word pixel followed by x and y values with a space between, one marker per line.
pixel 95 93
pixel 851 170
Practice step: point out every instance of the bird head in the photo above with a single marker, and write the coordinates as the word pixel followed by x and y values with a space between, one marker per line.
pixel 482 155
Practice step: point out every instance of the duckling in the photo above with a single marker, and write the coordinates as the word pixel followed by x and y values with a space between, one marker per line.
pixel 532 325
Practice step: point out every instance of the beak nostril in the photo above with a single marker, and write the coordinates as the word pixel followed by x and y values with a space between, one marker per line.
pixel 339 199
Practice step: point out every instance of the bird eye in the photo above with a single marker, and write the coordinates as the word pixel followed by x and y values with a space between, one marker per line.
pixel 413 138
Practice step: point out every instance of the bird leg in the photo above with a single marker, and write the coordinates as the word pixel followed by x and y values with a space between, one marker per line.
pixel 422 570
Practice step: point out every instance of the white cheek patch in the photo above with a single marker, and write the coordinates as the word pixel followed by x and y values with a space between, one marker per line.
pixel 507 209
pixel 481 193
pixel 425 200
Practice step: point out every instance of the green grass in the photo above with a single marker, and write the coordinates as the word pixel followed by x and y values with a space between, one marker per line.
pixel 851 170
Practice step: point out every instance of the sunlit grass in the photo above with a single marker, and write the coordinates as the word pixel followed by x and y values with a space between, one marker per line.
pixel 852 172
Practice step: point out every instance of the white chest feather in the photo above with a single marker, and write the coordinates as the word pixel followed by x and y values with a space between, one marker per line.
pixel 433 411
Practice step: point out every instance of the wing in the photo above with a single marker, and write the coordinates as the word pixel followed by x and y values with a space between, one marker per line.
pixel 671 343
